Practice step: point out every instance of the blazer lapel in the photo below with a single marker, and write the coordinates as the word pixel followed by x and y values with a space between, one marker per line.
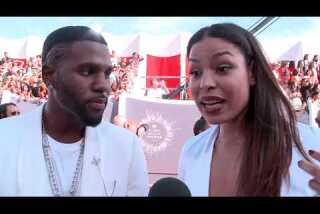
pixel 33 177
pixel 102 175
pixel 203 167
pixel 92 182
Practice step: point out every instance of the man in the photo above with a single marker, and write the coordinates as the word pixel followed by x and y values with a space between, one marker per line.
pixel 5 57
pixel 62 148
pixel 8 110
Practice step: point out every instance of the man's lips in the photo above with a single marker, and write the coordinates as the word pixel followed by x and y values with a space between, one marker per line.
pixel 98 103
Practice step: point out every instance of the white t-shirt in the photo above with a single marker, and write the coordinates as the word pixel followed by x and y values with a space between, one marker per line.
pixel 65 157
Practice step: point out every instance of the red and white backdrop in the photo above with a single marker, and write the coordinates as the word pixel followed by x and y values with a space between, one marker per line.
pixel 164 56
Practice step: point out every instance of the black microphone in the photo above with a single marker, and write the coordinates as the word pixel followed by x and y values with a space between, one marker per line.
pixel 169 187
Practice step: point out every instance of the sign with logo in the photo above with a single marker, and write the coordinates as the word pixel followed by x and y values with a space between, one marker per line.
pixel 169 125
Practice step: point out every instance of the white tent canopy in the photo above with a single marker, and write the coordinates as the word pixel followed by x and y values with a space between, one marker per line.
pixel 295 53
pixel 124 45
pixel 299 49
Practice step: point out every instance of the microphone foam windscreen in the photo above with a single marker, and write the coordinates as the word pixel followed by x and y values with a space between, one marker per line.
pixel 169 187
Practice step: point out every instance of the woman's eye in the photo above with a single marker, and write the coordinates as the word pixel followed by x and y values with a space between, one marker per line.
pixel 195 73
pixel 223 68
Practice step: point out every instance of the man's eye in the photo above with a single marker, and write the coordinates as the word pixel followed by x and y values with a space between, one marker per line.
pixel 86 72
pixel 107 73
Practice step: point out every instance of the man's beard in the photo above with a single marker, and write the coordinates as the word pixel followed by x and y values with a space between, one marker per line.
pixel 69 102
pixel 93 122
pixel 79 110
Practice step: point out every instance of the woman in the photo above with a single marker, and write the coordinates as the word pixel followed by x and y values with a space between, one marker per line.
pixel 312 73
pixel 254 147
pixel 26 93
pixel 300 68
pixel 291 68
pixel 294 92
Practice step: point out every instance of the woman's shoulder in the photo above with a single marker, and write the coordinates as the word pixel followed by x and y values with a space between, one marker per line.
pixel 299 179
pixel 310 136
pixel 200 142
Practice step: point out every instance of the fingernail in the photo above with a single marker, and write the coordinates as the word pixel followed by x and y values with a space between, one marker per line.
pixel 311 152
pixel 312 182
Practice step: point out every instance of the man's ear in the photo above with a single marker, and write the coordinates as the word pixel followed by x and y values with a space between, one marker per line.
pixel 48 76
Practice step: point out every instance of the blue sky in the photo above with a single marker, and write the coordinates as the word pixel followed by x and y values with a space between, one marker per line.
pixel 284 31
pixel 18 27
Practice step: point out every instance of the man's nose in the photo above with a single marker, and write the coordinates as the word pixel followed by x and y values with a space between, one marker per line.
pixel 102 83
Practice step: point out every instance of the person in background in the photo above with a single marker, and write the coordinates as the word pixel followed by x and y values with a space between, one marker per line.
pixel 300 68
pixel 121 121
pixel 318 119
pixel 306 63
pixel 158 89
pixel 142 129
pixel 114 58
pixel 275 67
pixel 200 126
pixel 8 110
pixel 292 68
pixel 313 106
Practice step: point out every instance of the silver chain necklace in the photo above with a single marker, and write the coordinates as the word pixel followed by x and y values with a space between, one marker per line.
pixel 54 178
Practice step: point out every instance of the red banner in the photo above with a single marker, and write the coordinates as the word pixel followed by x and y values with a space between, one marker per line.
pixel 162 67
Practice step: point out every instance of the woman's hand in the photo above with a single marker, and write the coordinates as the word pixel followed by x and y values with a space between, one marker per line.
pixel 313 169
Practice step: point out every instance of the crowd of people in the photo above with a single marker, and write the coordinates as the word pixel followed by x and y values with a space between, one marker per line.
pixel 23 78
pixel 124 74
pixel 300 83
pixel 299 80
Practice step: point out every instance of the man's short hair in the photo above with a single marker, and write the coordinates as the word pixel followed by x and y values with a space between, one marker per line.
pixel 68 35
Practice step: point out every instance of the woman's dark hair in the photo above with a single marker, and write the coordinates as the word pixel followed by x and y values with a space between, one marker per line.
pixel 270 118
pixel 300 63
pixel 315 58
pixel 199 126
pixel 292 64
pixel 143 125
